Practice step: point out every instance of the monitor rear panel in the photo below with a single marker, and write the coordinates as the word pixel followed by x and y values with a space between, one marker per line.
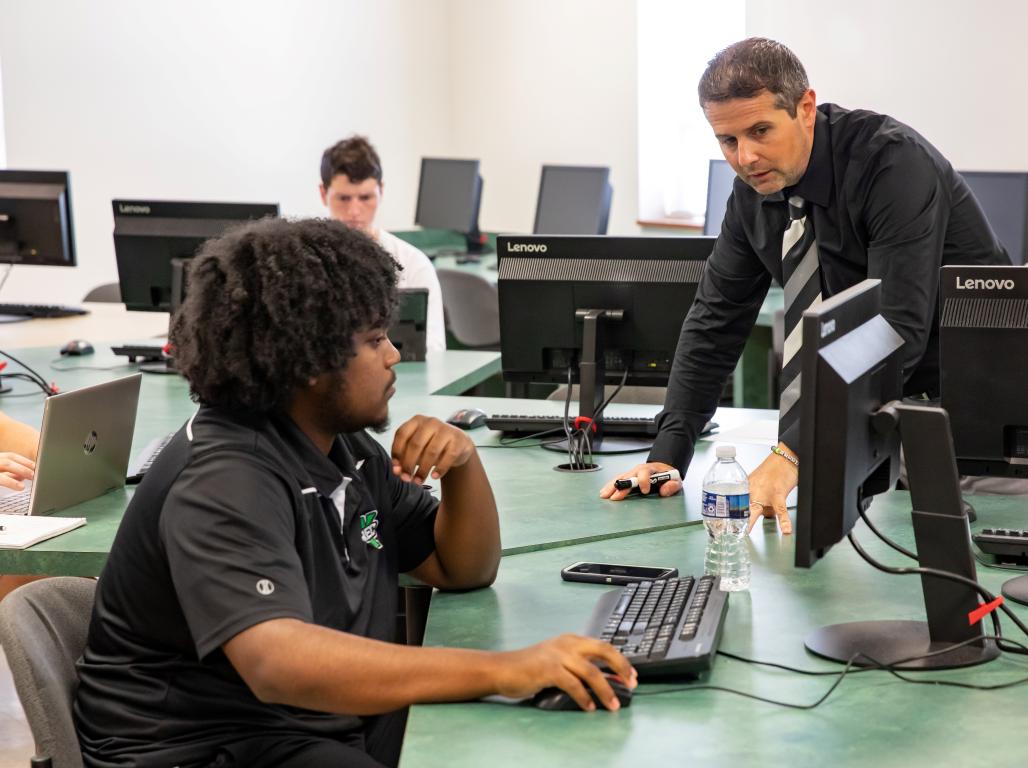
pixel 544 280
pixel 148 235
pixel 983 334
pixel 1004 199
pixel 448 194
pixel 851 366
pixel 35 219
pixel 573 200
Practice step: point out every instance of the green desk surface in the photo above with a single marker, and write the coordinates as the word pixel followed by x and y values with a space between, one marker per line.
pixel 872 719
pixel 164 406
pixel 539 507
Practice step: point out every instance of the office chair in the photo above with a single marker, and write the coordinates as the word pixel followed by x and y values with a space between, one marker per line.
pixel 43 628
pixel 108 292
pixel 471 307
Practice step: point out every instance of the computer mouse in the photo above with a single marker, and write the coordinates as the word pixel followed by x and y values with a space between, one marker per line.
pixel 467 418
pixel 77 347
pixel 556 700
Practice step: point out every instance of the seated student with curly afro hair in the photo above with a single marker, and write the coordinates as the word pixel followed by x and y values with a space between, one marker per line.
pixel 246 615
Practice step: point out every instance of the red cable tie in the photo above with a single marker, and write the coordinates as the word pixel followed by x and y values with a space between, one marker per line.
pixel 982 611
pixel 579 420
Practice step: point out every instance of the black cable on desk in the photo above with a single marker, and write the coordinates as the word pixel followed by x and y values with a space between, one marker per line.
pixel 30 375
pixel 884 538
pixel 877 666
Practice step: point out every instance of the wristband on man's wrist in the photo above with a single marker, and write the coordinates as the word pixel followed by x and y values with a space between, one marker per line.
pixel 779 452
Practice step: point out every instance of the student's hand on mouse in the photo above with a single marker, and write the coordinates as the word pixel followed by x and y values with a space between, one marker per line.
pixel 770 484
pixel 568 662
pixel 425 447
pixel 15 469
pixel 642 472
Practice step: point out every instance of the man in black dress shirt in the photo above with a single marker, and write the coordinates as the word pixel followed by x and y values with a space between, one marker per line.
pixel 247 613
pixel 883 203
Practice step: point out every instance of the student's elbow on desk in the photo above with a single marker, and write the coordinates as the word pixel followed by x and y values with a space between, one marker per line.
pixel 435 574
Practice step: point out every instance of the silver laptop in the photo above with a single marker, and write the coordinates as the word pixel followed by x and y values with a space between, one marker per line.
pixel 84 447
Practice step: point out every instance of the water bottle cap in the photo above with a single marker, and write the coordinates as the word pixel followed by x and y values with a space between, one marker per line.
pixel 725 451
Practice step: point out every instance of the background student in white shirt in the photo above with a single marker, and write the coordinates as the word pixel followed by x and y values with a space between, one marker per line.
pixel 351 188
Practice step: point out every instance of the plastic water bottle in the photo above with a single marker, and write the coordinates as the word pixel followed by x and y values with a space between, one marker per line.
pixel 726 509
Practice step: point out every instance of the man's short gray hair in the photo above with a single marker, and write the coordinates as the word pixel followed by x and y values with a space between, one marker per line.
pixel 744 69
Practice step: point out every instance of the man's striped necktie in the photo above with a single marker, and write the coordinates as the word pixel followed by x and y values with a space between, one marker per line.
pixel 802 279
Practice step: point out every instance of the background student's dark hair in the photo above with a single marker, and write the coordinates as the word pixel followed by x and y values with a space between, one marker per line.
pixel 746 68
pixel 354 157
pixel 275 303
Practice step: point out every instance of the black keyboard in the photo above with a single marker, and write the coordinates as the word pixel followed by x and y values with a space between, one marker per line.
pixel 146 457
pixel 41 310
pixel 626 426
pixel 667 627
pixel 1004 543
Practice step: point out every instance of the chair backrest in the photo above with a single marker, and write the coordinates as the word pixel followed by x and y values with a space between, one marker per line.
pixel 109 292
pixel 43 628
pixel 472 308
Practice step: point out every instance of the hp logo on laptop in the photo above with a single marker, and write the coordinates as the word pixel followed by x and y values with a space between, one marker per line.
pixel 90 444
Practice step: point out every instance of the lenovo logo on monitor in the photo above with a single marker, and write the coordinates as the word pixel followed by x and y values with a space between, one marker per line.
pixel 143 210
pixel 979 284
pixel 526 247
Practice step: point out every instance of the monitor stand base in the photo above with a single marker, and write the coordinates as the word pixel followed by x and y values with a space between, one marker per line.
pixel 1016 590
pixel 158 366
pixel 888 642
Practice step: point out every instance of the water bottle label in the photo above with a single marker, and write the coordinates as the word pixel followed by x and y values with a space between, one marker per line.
pixel 727 506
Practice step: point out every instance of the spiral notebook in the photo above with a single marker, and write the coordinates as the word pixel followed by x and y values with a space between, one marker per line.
pixel 21 531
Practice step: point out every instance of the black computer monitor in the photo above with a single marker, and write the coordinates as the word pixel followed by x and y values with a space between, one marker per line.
pixel 449 196
pixel 151 238
pixel 573 200
pixel 983 351
pixel 408 330
pixel 153 243
pixel 1004 199
pixel 852 425
pixel 720 180
pixel 597 307
pixel 35 219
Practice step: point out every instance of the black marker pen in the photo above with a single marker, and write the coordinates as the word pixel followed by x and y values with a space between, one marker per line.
pixel 657 479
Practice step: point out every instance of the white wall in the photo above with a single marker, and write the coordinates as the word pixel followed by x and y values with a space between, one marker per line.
pixel 3 144
pixel 545 81
pixel 227 100
pixel 676 40
pixel 953 70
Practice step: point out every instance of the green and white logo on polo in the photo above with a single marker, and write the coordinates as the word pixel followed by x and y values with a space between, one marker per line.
pixel 369 529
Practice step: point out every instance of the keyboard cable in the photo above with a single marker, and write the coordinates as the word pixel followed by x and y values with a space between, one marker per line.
pixel 877 666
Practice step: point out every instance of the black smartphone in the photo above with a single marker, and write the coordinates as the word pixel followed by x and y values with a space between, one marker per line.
pixel 608 573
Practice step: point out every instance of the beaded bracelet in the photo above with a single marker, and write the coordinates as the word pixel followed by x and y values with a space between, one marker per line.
pixel 779 452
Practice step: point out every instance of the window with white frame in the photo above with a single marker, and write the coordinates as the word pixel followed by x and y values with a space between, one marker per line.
pixel 675 41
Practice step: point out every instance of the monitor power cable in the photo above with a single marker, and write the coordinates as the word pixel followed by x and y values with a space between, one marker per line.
pixel 985 594
pixel 30 374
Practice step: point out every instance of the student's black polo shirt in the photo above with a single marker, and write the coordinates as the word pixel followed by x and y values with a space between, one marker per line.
pixel 239 521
